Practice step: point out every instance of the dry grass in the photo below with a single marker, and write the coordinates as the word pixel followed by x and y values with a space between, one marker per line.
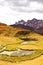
pixel 37 61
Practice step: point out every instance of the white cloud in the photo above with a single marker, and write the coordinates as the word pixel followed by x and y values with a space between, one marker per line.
pixel 35 6
pixel 25 10
pixel 12 18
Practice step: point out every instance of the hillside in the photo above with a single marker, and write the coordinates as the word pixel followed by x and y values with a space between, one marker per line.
pixel 9 30
pixel 21 33
pixel 19 45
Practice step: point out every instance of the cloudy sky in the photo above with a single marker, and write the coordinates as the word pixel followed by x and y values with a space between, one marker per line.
pixel 14 10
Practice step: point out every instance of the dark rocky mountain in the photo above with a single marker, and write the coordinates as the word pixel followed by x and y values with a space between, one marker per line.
pixel 34 25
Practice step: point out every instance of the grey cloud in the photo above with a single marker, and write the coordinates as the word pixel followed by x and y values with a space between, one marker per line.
pixel 40 1
pixel 29 11
pixel 18 5
pixel 2 3
pixel 17 2
pixel 40 11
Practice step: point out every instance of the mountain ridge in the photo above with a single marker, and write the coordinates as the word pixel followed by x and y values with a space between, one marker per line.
pixel 34 25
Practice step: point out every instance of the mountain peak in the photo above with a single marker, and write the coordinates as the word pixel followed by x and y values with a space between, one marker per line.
pixel 22 21
pixel 34 19
pixel 34 24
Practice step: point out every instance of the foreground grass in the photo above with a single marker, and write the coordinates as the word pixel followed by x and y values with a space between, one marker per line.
pixel 32 45
pixel 9 40
pixel 13 43
pixel 14 59
pixel 5 41
pixel 36 61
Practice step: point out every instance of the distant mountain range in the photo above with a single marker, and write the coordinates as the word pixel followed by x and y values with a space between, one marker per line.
pixel 34 25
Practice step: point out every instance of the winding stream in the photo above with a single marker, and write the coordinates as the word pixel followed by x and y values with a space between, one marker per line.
pixel 17 53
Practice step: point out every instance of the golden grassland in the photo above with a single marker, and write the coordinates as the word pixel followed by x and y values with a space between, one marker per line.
pixel 9 40
pixel 5 41
pixel 32 45
pixel 36 61
pixel 15 59
pixel 12 42
pixel 6 30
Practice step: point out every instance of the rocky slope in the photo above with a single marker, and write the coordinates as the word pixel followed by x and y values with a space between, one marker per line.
pixel 34 24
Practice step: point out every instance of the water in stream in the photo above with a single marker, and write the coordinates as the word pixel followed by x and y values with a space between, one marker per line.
pixel 18 52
